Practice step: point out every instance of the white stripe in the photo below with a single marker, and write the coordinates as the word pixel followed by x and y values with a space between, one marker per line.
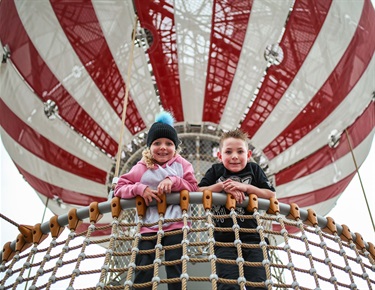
pixel 193 28
pixel 49 173
pixel 265 26
pixel 330 174
pixel 342 117
pixel 117 22
pixel 51 43
pixel 330 45
pixel 23 103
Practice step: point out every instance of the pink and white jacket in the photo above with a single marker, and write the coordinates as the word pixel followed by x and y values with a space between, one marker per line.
pixel 133 183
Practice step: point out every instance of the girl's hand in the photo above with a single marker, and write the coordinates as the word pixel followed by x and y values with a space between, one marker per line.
pixel 165 186
pixel 149 195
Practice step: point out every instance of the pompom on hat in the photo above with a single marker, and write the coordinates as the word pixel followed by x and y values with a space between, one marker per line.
pixel 162 128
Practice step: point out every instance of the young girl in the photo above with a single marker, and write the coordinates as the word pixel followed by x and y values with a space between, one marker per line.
pixel 161 170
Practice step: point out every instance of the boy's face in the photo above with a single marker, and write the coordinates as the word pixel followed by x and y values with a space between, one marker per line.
pixel 234 154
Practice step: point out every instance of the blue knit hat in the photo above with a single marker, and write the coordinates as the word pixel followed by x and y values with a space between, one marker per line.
pixel 162 128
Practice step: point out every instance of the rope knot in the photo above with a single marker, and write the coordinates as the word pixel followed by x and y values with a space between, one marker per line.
pixel 240 260
pixel 77 272
pixel 236 227
pixel 241 280
pixel 185 257
pixel 260 228
pixel 211 240
pixel 157 261
pixel 132 265
pixel 186 228
pixel 263 244
pixel 185 241
pixel 128 282
pixel 156 279
pixel 307 253
pixel 212 257
pixel 237 242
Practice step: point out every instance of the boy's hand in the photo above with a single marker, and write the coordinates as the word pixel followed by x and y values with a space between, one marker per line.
pixel 229 184
pixel 217 187
pixel 165 186
pixel 236 189
pixel 150 194
pixel 239 196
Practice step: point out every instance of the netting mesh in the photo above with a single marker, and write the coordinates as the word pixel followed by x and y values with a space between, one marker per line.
pixel 310 253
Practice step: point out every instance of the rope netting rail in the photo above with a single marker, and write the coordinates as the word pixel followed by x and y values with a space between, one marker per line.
pixel 300 249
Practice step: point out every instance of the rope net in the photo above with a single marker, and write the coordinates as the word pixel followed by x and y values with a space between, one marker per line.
pixel 300 249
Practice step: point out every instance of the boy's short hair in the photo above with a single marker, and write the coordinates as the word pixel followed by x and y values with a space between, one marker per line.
pixel 236 134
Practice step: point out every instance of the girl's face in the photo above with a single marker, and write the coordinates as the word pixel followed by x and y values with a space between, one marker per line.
pixel 162 150
pixel 234 154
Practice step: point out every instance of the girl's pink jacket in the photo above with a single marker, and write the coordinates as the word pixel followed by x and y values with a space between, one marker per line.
pixel 133 183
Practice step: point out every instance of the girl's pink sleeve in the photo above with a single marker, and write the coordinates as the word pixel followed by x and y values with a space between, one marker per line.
pixel 128 185
pixel 188 181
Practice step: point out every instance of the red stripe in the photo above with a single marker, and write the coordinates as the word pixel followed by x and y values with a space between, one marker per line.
pixel 229 25
pixel 82 28
pixel 52 191
pixel 157 17
pixel 318 196
pixel 302 28
pixel 45 149
pixel 39 77
pixel 339 84
pixel 358 132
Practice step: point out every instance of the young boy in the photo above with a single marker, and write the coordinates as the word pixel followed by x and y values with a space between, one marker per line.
pixel 237 176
